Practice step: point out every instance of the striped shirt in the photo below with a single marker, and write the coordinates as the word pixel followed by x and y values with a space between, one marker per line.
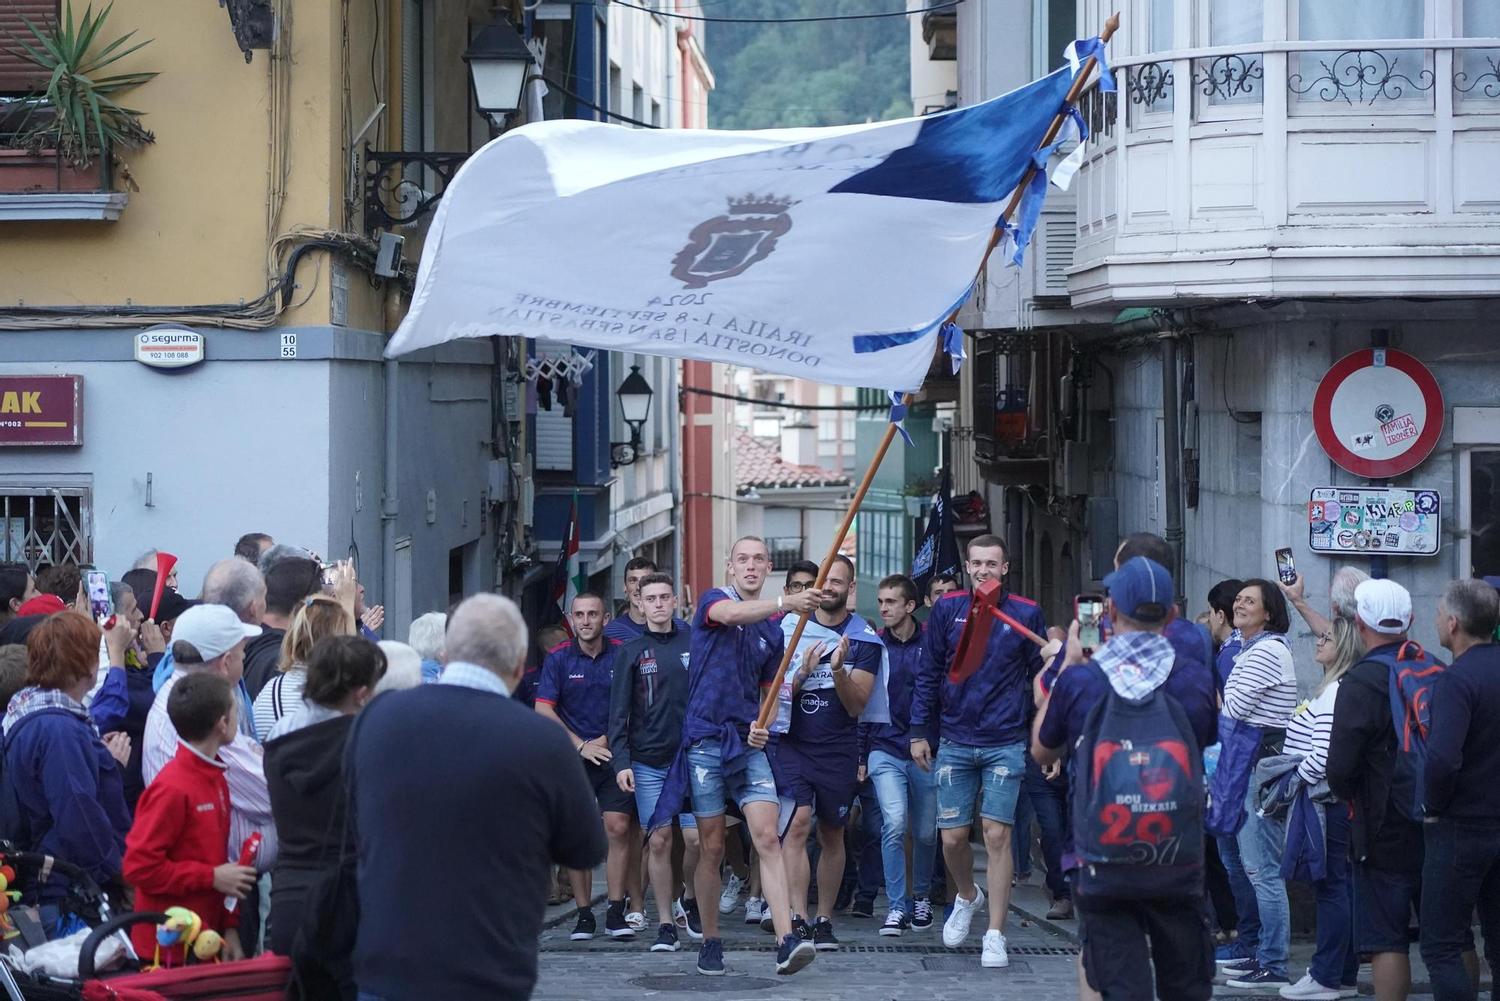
pixel 281 697
pixel 1262 689
pixel 1308 734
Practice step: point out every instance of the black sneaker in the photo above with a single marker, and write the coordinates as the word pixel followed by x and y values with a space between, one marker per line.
pixel 823 938
pixel 666 939
pixel 896 922
pixel 694 919
pixel 793 954
pixel 801 928
pixel 921 914
pixel 766 924
pixel 584 929
pixel 614 921
pixel 863 908
pixel 1260 979
pixel 711 957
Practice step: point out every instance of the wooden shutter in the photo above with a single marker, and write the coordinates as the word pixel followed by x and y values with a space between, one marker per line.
pixel 16 74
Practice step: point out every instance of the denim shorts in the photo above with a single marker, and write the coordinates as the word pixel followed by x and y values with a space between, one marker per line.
pixel 963 770
pixel 648 783
pixel 755 783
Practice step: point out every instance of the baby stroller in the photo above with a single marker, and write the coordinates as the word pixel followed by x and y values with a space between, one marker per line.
pixel 84 907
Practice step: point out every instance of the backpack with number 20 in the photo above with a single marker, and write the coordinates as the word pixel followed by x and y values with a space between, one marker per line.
pixel 1137 800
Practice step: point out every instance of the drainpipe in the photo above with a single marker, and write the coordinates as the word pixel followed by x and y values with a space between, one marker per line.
pixel 1172 467
pixel 390 504
pixel 1143 321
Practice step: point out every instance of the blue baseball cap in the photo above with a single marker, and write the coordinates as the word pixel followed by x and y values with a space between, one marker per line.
pixel 1142 590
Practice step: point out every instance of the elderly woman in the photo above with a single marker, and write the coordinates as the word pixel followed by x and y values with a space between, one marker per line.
pixel 319 616
pixel 427 636
pixel 67 780
pixel 305 775
pixel 1259 698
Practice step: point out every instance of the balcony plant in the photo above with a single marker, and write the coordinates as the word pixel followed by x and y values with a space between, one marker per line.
pixel 51 139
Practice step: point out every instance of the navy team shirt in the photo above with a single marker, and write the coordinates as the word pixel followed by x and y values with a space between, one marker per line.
pixel 576 686
pixel 991 707
pixel 906 660
pixel 818 717
pixel 728 667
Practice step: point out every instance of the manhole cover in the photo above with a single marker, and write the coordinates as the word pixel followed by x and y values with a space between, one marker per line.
pixel 962 964
pixel 700 984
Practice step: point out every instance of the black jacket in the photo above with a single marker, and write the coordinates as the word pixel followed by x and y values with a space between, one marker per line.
pixel 1361 759
pixel 1463 748
pixel 305 777
pixel 262 655
pixel 648 698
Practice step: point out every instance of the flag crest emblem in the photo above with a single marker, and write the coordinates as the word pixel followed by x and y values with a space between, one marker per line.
pixel 727 245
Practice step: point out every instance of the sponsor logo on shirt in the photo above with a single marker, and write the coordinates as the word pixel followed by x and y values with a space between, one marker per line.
pixel 812 702
pixel 207 807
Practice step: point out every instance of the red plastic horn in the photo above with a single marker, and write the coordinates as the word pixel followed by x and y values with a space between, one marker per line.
pixel 976 635
pixel 164 564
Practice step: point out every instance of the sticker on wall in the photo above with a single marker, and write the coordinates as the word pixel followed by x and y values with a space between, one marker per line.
pixel 1393 521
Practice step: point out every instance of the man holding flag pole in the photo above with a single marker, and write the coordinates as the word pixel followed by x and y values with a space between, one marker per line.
pixel 841 255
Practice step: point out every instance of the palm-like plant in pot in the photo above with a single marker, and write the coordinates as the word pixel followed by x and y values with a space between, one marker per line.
pixel 73 119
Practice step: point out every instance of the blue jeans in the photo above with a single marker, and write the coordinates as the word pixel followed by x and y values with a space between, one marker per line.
pixel 1334 961
pixel 1246 911
pixel 1262 840
pixel 1020 838
pixel 962 770
pixel 1462 869
pixel 648 783
pixel 753 784
pixel 1049 800
pixel 908 801
pixel 862 848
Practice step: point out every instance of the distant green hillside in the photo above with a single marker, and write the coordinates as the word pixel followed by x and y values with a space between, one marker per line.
pixel 824 73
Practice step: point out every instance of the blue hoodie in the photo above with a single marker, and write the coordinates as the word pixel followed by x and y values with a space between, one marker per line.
pixel 990 708
pixel 69 788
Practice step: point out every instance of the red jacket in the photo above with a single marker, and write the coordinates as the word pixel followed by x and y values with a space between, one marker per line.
pixel 181 828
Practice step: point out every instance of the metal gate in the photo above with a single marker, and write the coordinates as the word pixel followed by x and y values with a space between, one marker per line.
pixel 45 525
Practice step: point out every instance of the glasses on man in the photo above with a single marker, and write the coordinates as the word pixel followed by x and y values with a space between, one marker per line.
pixel 797 586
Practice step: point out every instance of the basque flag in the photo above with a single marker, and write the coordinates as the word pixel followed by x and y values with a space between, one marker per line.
pixel 937 553
pixel 568 580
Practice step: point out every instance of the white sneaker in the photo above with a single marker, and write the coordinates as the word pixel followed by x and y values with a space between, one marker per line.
pixel 730 898
pixel 636 920
pixel 1308 989
pixel 956 928
pixel 994 956
pixel 755 909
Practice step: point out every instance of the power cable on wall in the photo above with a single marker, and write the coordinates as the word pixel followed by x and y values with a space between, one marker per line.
pixel 782 404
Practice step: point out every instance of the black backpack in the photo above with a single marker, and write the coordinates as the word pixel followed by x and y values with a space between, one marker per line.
pixel 1138 800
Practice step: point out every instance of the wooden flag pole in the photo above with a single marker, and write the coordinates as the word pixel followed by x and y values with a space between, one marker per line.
pixel 1080 84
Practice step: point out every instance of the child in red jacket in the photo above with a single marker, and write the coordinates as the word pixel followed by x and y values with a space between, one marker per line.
pixel 175 852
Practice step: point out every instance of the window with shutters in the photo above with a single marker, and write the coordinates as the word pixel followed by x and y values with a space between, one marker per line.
pixel 17 76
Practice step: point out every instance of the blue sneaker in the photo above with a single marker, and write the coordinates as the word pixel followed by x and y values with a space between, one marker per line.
pixel 711 957
pixel 1233 954
pixel 793 954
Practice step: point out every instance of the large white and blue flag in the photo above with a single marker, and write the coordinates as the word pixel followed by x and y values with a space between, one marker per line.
pixel 832 254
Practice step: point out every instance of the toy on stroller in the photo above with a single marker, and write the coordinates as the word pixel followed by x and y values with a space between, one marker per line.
pixel 52 952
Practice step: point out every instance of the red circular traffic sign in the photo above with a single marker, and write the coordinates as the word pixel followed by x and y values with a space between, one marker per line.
pixel 1378 413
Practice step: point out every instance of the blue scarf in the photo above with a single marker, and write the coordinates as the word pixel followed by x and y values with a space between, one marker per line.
pixel 877 709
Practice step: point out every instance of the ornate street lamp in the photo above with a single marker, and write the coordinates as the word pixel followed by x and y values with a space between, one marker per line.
pixel 635 395
pixel 498 61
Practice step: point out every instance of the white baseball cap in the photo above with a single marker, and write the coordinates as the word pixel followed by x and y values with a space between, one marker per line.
pixel 1382 605
pixel 212 629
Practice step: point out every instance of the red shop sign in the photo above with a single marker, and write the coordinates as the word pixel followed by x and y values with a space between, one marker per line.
pixel 41 410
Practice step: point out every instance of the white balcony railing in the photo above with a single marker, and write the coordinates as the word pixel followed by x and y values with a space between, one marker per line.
pixel 1293 168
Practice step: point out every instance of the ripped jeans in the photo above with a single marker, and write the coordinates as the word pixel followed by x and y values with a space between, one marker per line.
pixel 961 771
pixel 755 784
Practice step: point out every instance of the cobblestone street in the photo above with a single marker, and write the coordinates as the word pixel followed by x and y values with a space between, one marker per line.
pixel 914 967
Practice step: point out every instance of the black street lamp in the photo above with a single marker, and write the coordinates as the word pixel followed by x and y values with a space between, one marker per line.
pixel 396 194
pixel 635 395
pixel 498 61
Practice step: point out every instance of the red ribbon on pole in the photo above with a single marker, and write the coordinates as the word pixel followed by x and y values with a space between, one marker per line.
pixel 164 564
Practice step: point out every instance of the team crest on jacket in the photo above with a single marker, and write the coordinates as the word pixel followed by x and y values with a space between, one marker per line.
pixel 727 245
pixel 685 658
